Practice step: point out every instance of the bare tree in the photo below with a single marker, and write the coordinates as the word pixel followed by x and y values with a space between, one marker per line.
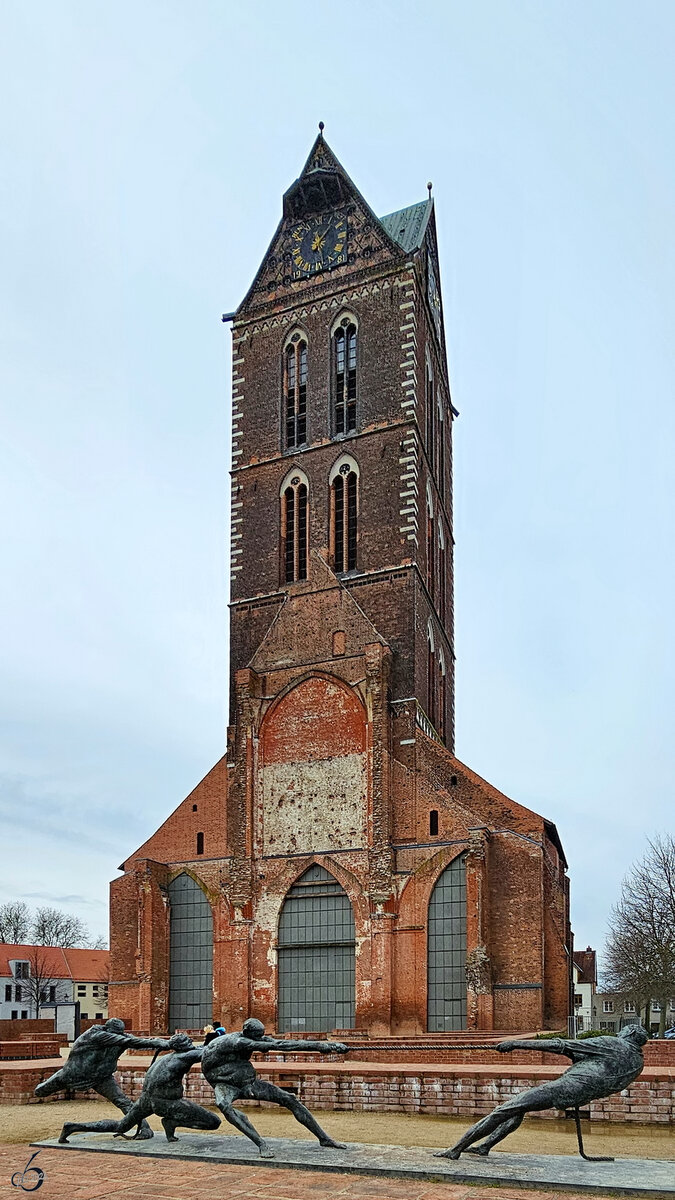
pixel 15 922
pixel 52 927
pixel 640 950
pixel 39 985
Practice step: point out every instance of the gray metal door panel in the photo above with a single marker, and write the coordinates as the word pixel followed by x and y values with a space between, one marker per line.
pixel 316 956
pixel 191 955
pixel 446 940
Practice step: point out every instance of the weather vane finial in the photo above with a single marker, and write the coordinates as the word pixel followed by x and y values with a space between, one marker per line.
pixel 321 128
pixel 429 187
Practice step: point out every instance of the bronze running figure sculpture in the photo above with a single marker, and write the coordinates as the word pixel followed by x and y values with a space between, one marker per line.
pixel 162 1094
pixel 226 1066
pixel 92 1063
pixel 600 1066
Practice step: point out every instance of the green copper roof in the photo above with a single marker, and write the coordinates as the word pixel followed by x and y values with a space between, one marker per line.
pixel 408 225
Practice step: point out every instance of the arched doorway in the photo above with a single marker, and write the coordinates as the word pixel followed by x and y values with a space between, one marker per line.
pixel 446 941
pixel 316 956
pixel 190 955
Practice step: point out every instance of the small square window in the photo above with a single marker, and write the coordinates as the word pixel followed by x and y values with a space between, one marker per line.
pixel 24 1014
pixel 578 1001
pixel 608 1006
pixel 99 1016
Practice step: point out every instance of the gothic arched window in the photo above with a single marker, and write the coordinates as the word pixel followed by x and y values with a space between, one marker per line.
pixel 446 948
pixel 431 677
pixel 431 547
pixel 442 584
pixel 430 414
pixel 441 696
pixel 295 392
pixel 294 527
pixel 316 955
pixel 344 510
pixel 190 955
pixel 440 474
pixel 344 340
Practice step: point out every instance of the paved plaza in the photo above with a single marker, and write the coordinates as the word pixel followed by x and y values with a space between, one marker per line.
pixel 86 1175
pixel 378 1167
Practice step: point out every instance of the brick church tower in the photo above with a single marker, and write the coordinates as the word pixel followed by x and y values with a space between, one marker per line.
pixel 340 868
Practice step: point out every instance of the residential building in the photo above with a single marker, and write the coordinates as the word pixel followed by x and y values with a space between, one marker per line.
pixel 52 976
pixel 585 979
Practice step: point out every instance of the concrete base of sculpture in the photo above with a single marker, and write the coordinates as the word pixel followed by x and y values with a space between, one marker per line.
pixel 623 1177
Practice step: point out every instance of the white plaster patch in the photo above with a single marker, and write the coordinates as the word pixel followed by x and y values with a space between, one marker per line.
pixel 314 805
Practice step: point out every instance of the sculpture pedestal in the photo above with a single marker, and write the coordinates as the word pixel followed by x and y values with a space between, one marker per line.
pixel 624 1177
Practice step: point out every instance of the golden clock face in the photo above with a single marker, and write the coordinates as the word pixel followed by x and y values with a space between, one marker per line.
pixel 317 243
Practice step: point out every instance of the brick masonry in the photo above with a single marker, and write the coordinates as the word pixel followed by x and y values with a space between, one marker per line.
pixel 332 756
pixel 452 1090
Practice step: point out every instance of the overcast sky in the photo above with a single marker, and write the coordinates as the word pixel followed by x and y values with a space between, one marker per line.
pixel 145 149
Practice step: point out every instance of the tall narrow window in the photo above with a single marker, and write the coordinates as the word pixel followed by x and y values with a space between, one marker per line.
pixel 446 949
pixel 441 574
pixel 431 415
pixel 295 389
pixel 200 843
pixel 440 475
pixel 345 377
pixel 344 514
pixel 294 529
pixel 431 549
pixel 441 696
pixel 431 680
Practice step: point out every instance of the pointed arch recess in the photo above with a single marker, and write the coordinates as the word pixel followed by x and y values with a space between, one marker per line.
pixel 316 955
pixel 446 950
pixel 190 954
pixel 313 778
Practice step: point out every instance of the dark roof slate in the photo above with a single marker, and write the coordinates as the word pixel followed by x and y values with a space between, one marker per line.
pixel 408 226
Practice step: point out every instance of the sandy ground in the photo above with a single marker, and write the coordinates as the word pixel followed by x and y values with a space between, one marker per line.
pixel 34 1122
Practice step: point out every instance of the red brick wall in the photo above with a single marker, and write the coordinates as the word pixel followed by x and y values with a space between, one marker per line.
pixel 15 1029
pixel 202 811
pixel 460 1092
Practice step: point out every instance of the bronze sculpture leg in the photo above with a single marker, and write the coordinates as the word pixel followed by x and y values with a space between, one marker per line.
pixel 112 1092
pixel 55 1083
pixel 225 1097
pixel 502 1121
pixel 262 1090
pixel 186 1114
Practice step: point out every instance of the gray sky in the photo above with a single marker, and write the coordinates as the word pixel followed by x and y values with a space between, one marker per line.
pixel 144 150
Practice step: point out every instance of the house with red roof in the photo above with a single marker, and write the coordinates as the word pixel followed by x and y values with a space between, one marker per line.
pixel 41 978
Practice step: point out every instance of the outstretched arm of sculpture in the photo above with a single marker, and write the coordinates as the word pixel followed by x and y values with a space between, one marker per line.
pixel 291 1046
pixel 543 1045
pixel 138 1043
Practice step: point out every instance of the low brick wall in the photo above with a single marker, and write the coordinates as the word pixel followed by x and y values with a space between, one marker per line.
pixel 446 1090
pixel 29 1025
pixel 18 1080
pixel 30 1048
pixel 395 1087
